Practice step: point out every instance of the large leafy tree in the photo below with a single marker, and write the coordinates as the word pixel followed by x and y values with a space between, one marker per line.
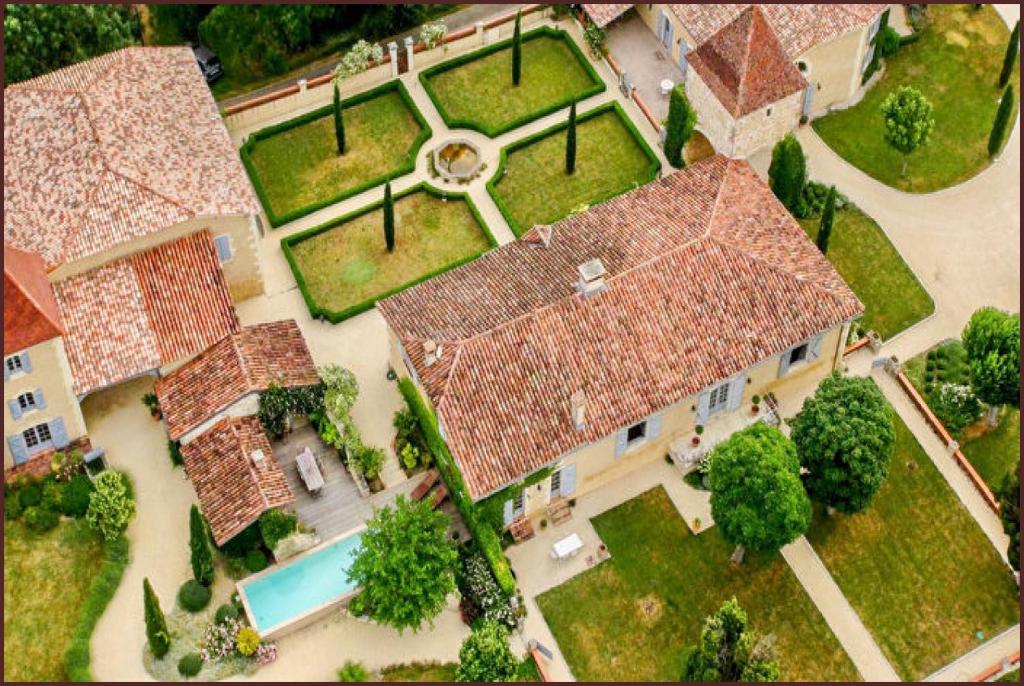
pixel 485 655
pixel 1009 513
pixel 157 634
pixel 992 341
pixel 908 121
pixel 405 564
pixel 757 499
pixel 111 506
pixel 199 547
pixel 787 173
pixel 40 38
pixel 681 121
pixel 844 438
pixel 729 651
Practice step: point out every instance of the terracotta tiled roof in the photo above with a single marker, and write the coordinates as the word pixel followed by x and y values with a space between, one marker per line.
pixel 145 311
pixel 30 310
pixel 114 148
pixel 233 489
pixel 244 362
pixel 744 65
pixel 602 14
pixel 707 274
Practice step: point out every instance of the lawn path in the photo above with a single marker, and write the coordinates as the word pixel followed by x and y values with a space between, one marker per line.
pixel 838 613
pixel 981 658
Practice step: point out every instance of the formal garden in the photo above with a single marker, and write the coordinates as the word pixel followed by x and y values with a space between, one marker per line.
pixel 345 265
pixel 483 90
pixel 532 186
pixel 954 60
pixel 296 166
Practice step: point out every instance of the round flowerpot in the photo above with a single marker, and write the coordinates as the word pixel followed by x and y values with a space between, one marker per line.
pixel 695 440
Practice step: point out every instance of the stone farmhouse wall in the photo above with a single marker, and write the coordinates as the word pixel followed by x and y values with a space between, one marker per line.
pixel 767 125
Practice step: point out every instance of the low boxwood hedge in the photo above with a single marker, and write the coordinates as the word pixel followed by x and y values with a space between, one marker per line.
pixel 77 656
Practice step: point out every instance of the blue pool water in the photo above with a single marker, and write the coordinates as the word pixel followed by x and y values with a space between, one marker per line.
pixel 296 588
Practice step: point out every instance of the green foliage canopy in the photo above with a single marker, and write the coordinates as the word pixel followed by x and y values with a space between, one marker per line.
pixel 485 655
pixel 681 121
pixel 728 651
pixel 787 173
pixel 992 342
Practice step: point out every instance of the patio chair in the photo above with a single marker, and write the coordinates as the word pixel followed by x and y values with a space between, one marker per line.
pixel 424 487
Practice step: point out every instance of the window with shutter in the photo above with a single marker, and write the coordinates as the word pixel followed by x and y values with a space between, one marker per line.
pixel 19 451
pixel 12 364
pixel 223 243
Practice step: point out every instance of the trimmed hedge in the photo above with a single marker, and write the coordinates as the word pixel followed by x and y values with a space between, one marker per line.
pixel 543 31
pixel 652 170
pixel 77 657
pixel 485 536
pixel 277 220
pixel 334 317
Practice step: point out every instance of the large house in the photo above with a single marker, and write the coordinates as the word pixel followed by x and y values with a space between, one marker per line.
pixel 130 230
pixel 754 71
pixel 592 343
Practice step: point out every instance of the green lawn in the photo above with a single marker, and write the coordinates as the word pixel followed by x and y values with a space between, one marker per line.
pixel 47 578
pixel 631 617
pixel 917 568
pixel 346 265
pixel 420 671
pixel 610 159
pixel 956 64
pixel 477 92
pixel 861 252
pixel 299 170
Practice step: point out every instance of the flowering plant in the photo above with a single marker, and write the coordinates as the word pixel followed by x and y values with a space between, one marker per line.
pixel 433 33
pixel 218 640
pixel 358 59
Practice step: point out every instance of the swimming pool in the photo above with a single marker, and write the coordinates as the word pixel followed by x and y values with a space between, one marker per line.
pixel 318 579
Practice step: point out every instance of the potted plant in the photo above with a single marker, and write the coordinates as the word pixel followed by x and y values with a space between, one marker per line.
pixel 698 430
pixel 756 404
pixel 696 524
pixel 153 403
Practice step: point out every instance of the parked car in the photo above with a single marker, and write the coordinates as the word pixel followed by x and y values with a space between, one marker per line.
pixel 209 63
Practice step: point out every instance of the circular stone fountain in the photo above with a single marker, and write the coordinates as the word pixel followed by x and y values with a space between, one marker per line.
pixel 457 160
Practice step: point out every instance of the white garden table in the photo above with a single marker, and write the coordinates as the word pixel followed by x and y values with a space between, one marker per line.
pixel 567 547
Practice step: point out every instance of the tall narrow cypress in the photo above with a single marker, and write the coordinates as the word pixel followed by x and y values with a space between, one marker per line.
pixel 389 218
pixel 828 216
pixel 1011 55
pixel 570 141
pixel 681 121
pixel 157 635
pixel 199 544
pixel 339 121
pixel 517 51
pixel 995 139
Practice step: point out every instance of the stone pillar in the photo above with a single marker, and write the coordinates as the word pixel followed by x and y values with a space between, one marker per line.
pixel 302 85
pixel 409 51
pixel 479 26
pixel 393 54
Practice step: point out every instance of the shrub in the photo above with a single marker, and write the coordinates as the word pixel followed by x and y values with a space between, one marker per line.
pixel 485 655
pixel 77 656
pixel 193 596
pixel 813 199
pixel 190 664
pixel 410 456
pixel 998 133
pixel 1010 57
pixel 174 450
pixel 358 59
pixel 111 506
pixel 481 595
pixel 218 640
pixel 53 494
pixel 75 498
pixel 255 560
pixel 595 37
pixel 517 49
pixel 887 42
pixel 157 634
pixel 200 552
pixel 275 408
pixel 369 461
pixel 787 173
pixel 681 120
pixel 247 641
pixel 12 507
pixel 245 540
pixel 40 519
pixel 433 33
pixel 353 672
pixel 30 496
pixel 65 465
pixel 277 524
pixel 225 612
pixel 955 405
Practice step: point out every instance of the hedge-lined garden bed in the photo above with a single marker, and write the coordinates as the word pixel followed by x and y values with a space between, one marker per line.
pixel 531 187
pixel 343 267
pixel 475 91
pixel 295 166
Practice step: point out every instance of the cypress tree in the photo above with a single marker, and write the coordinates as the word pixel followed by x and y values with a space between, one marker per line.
pixel 828 216
pixel 389 218
pixel 157 635
pixel 570 141
pixel 995 139
pixel 339 121
pixel 681 121
pixel 517 51
pixel 199 544
pixel 1011 55
pixel 787 174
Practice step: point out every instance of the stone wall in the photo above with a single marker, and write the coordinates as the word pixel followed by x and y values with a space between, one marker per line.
pixel 766 125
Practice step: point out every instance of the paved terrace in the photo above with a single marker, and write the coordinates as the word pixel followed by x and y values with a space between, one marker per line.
pixel 644 59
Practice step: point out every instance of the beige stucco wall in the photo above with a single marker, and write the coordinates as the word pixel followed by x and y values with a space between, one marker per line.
pixel 649 14
pixel 52 375
pixel 242 271
pixel 834 68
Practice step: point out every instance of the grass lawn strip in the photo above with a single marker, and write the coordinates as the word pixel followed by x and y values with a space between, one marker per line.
pixel 631 617
pixel 343 267
pixel 863 255
pixel 917 568
pixel 955 64
pixel 611 158
pixel 475 91
pixel 48 579
pixel 295 166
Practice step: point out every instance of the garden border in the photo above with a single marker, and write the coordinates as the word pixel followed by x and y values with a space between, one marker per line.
pixel 334 317
pixel 653 169
pixel 408 167
pixel 598 84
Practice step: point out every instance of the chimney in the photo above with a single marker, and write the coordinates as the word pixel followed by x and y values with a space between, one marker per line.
pixel 578 402
pixel 431 352
pixel 592 273
pixel 539 236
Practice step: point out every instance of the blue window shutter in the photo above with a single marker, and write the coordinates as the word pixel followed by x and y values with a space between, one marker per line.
pixel 620 443
pixel 507 513
pixel 223 244
pixel 58 433
pixel 14 407
pixel 26 364
pixel 738 385
pixel 40 401
pixel 814 349
pixel 18 449
pixel 703 406
pixel 784 362
pixel 654 425
pixel 568 480
pixel 7 372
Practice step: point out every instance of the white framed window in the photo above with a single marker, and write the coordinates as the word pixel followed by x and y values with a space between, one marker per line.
pixel 556 483
pixel 719 397
pixel 27 401
pixel 36 436
pixel 223 245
